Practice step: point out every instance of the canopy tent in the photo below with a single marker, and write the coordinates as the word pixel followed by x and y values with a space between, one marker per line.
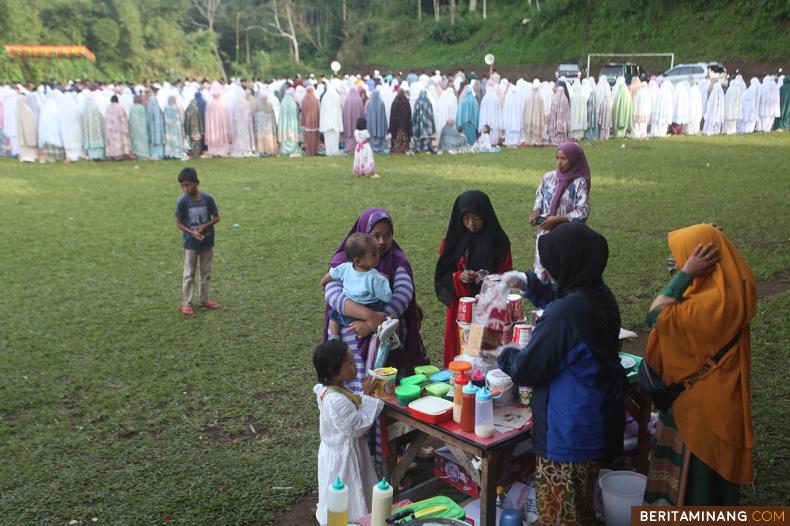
pixel 50 52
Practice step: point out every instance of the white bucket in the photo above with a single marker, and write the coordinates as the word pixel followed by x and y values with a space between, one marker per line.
pixel 498 381
pixel 621 490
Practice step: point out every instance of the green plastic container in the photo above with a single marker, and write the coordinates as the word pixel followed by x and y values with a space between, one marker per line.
pixel 416 379
pixel 451 509
pixel 439 389
pixel 427 370
pixel 407 393
pixel 632 372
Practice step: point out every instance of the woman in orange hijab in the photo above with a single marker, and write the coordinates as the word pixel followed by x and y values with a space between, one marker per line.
pixel 704 443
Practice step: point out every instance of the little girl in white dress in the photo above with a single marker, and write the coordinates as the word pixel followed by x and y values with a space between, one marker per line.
pixel 364 165
pixel 345 420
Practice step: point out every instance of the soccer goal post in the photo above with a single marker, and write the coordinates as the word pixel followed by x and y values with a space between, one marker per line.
pixel 670 55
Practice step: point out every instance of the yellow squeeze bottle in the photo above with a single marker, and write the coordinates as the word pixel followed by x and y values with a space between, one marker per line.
pixel 337 504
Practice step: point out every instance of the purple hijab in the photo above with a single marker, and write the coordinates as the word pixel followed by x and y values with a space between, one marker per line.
pixel 413 351
pixel 579 168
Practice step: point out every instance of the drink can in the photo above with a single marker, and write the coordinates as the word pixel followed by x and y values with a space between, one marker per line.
pixel 534 316
pixel 463 336
pixel 521 334
pixel 515 307
pixel 465 307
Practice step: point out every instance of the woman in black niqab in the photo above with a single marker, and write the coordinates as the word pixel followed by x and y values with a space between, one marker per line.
pixel 463 251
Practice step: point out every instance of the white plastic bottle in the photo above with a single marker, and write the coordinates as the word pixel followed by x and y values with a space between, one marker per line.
pixel 381 503
pixel 484 414
pixel 337 504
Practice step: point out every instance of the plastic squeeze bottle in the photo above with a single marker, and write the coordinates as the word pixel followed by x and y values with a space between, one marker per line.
pixel 458 396
pixel 468 409
pixel 484 413
pixel 337 504
pixel 381 504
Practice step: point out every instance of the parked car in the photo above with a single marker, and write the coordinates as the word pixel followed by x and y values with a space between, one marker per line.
pixel 714 71
pixel 627 70
pixel 569 71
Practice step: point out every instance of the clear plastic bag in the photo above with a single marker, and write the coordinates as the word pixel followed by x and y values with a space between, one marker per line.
pixel 490 312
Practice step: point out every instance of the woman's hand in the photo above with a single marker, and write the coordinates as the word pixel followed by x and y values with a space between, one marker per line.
pixel 514 279
pixel 468 276
pixel 553 221
pixel 702 261
pixel 361 328
pixel 533 218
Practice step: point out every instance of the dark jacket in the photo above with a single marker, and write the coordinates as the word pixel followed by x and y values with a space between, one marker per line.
pixel 572 364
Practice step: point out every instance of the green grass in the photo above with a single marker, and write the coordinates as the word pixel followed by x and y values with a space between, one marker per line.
pixel 112 405
pixel 570 29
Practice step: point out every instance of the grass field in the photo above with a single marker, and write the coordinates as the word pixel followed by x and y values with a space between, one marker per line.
pixel 114 406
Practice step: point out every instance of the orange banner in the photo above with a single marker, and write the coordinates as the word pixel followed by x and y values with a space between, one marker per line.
pixel 50 52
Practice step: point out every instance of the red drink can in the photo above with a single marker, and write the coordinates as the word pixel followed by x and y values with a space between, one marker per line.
pixel 465 306
pixel 521 334
pixel 515 307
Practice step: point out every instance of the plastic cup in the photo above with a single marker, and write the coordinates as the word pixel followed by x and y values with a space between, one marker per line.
pixel 385 381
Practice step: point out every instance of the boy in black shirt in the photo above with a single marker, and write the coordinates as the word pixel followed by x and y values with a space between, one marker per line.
pixel 196 215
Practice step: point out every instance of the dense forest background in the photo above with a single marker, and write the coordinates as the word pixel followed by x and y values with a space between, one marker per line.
pixel 168 39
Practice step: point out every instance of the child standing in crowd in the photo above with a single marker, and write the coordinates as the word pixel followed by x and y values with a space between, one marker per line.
pixel 344 423
pixel 362 283
pixel 196 215
pixel 363 154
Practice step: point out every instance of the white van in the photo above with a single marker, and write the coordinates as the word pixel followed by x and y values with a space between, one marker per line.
pixel 698 71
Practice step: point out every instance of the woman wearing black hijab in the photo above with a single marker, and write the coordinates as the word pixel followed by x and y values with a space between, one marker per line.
pixel 474 241
pixel 400 123
pixel 572 364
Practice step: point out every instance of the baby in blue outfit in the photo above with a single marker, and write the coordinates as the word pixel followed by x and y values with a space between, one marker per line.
pixel 362 283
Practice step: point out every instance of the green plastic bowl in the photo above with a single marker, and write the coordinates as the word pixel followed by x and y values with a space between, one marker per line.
pixel 407 393
pixel 415 379
pixel 427 370
pixel 438 389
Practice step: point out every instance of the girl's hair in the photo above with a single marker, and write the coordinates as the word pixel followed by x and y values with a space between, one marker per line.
pixel 328 359
pixel 362 124
pixel 486 129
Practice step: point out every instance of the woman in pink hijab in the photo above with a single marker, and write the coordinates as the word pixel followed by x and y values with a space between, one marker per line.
pixel 562 196
pixel 218 137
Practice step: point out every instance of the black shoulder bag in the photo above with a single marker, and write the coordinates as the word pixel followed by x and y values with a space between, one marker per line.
pixel 664 395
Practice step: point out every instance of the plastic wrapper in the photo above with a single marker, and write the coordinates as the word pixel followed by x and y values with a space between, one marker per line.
pixel 490 315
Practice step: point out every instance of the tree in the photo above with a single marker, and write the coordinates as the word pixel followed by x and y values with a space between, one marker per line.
pixel 208 9
pixel 275 28
pixel 452 12
pixel 472 6
pixel 436 9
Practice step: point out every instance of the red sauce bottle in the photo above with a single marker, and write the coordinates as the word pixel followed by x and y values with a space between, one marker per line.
pixel 468 408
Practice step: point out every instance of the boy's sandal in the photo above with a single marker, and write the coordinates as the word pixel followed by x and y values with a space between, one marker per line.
pixel 186 310
pixel 210 304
